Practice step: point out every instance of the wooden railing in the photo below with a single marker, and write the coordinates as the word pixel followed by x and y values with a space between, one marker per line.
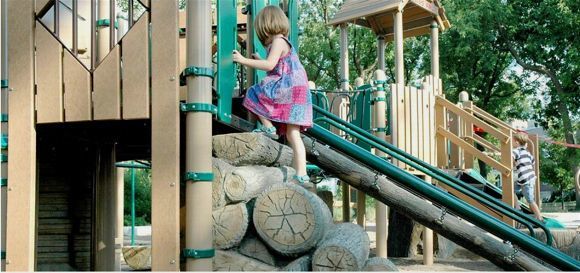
pixel 455 126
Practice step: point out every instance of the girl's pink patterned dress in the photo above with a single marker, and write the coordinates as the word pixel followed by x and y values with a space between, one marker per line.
pixel 283 95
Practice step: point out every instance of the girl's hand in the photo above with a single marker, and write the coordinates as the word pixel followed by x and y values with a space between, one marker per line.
pixel 237 57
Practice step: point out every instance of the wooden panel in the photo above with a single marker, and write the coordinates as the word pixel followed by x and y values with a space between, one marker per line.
pixel 49 95
pixel 432 127
pixel 20 245
pixel 414 121
pixel 77 89
pixel 468 134
pixel 421 122
pixel 471 201
pixel 107 87
pixel 454 155
pixel 165 137
pixel 507 183
pixel 136 70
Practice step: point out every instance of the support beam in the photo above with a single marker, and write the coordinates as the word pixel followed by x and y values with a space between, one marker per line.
pixel 344 86
pixel 105 209
pixel 4 129
pixel 199 233
pixel 165 136
pixel 120 213
pixel 20 245
pixel 379 117
pixel 103 32
pixel 399 63
pixel 381 53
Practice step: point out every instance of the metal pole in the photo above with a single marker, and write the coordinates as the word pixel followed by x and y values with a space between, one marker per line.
pixel 130 11
pixel 112 17
pixel 119 203
pixel 103 33
pixel 381 53
pixel 399 64
pixel 382 219
pixel 132 206
pixel 75 27
pixel 435 55
pixel 199 233
pixel 57 18
pixel 93 33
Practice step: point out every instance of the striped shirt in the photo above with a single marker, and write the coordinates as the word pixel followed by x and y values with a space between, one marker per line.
pixel 524 162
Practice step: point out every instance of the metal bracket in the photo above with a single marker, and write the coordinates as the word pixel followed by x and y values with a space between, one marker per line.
pixel 198 253
pixel 4 118
pixel 314 151
pixel 4 83
pixel 198 177
pixel 512 256
pixel 383 129
pixel 439 221
pixel 199 107
pixel 380 82
pixel 3 182
pixel 195 71
pixel 376 182
pixel 378 99
pixel 3 158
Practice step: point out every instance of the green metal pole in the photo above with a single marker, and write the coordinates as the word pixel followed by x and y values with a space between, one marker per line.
pixel 132 206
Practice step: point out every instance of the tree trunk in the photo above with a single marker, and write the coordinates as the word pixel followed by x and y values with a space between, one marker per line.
pixel 345 248
pixel 301 264
pixel 290 219
pixel 221 170
pixel 403 201
pixel 233 261
pixel 252 247
pixel 379 264
pixel 399 242
pixel 245 183
pixel 251 149
pixel 230 224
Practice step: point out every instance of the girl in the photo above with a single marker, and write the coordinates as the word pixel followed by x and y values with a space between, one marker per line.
pixel 282 96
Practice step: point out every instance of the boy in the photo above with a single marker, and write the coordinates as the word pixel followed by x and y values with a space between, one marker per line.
pixel 525 176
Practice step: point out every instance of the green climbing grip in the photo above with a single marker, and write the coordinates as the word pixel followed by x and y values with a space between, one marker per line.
pixel 4 118
pixel 4 83
pixel 198 253
pixel 198 177
pixel 4 141
pixel 3 158
pixel 3 182
pixel 106 23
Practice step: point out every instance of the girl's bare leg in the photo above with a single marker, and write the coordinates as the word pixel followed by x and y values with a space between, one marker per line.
pixel 299 160
pixel 265 122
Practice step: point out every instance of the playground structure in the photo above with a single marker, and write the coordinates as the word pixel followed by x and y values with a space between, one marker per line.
pixel 72 109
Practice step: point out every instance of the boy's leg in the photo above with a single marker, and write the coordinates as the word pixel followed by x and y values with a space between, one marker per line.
pixel 299 159
pixel 528 191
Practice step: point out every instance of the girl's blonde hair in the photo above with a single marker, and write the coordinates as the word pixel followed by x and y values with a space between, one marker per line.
pixel 270 21
pixel 521 138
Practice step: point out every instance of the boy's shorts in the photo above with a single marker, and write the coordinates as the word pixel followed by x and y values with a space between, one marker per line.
pixel 528 191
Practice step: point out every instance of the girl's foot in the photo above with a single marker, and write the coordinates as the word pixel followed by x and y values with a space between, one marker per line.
pixel 303 181
pixel 269 132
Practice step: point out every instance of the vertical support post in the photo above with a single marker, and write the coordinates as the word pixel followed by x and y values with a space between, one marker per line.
pixel 379 116
pixel 360 195
pixel 535 148
pixel 199 234
pixel 399 63
pixel 344 86
pixel 93 33
pixel 130 12
pixel 381 53
pixel 112 18
pixel 165 148
pixel 103 33
pixel 507 183
pixel 75 27
pixel 468 134
pixel 132 206
pixel 4 130
pixel 57 18
pixel 120 211
pixel 20 245
pixel 428 233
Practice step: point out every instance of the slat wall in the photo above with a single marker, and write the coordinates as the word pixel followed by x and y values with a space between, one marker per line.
pixel 118 88
pixel 48 77
pixel 413 121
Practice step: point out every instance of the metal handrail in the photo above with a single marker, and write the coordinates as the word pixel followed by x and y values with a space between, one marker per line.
pixel 436 195
pixel 437 174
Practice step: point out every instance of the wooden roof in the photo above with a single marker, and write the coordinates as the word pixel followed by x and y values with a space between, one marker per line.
pixel 379 15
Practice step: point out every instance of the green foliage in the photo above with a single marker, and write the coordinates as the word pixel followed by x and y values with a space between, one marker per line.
pixel 142 197
pixel 555 167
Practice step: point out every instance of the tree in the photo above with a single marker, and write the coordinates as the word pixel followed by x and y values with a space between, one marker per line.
pixel 142 197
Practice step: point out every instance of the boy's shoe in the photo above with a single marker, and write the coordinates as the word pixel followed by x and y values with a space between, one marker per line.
pixel 269 132
pixel 303 181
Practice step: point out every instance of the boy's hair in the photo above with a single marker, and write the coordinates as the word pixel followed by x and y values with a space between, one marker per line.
pixel 521 138
pixel 271 21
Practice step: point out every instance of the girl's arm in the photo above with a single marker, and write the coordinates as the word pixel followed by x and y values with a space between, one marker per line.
pixel 269 63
